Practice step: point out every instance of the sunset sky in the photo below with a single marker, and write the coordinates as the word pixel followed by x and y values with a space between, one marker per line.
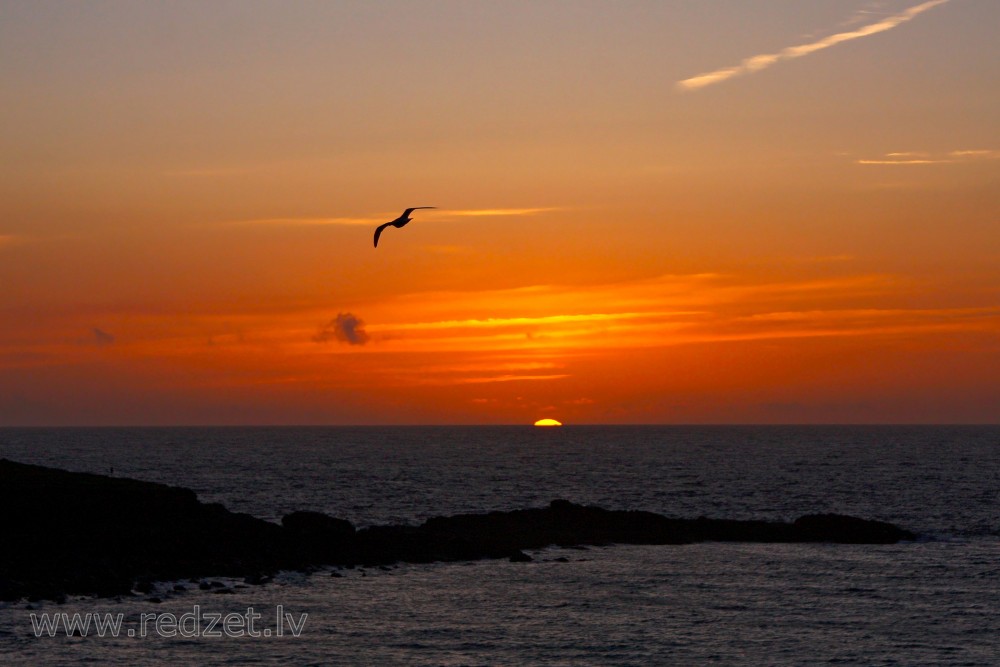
pixel 671 211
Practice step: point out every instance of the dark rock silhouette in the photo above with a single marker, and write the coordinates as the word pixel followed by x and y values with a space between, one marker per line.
pixel 82 534
pixel 323 538
pixel 845 530
pixel 88 534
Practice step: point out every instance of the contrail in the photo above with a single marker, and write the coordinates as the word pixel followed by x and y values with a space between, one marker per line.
pixel 757 63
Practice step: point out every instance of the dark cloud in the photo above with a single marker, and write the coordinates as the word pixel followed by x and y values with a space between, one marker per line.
pixel 345 328
pixel 102 338
pixel 98 338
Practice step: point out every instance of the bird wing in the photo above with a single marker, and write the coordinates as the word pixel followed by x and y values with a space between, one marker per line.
pixel 378 232
pixel 411 210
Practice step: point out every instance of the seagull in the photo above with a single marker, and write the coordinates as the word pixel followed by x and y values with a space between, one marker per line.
pixel 398 222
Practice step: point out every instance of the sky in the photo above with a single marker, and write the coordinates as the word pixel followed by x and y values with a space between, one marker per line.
pixel 671 211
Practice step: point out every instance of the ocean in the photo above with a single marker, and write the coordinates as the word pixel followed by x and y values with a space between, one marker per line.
pixel 935 601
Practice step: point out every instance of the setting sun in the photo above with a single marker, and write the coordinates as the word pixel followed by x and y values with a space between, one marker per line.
pixel 548 422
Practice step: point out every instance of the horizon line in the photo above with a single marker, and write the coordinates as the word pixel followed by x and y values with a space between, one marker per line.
pixel 499 424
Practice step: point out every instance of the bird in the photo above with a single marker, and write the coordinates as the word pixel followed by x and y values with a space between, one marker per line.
pixel 398 222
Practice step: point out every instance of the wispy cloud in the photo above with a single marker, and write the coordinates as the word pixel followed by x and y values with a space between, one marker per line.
pixel 375 219
pixel 494 322
pixel 910 158
pixel 479 368
pixel 634 314
pixel 904 162
pixel 759 62
pixel 494 378
pixel 306 221
pixel 484 212
pixel 509 337
pixel 862 15
pixel 731 310
pixel 978 154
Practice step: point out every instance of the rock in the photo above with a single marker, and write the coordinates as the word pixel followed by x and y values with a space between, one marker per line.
pixel 306 523
pixel 323 538
pixel 120 532
pixel 124 532
pixel 848 530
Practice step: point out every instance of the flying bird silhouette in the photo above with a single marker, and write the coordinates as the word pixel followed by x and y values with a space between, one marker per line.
pixel 398 222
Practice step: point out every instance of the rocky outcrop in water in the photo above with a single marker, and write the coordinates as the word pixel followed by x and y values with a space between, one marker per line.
pixel 76 533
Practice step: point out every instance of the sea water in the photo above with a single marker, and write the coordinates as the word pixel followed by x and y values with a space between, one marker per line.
pixel 935 601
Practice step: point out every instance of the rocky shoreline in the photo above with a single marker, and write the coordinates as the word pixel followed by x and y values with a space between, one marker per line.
pixel 69 533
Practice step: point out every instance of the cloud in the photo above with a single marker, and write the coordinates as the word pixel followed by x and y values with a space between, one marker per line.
pixel 910 158
pixel 904 162
pixel 863 15
pixel 659 312
pixel 978 154
pixel 487 212
pixel 439 214
pixel 305 222
pixel 98 338
pixel 494 378
pixel 513 378
pixel 759 62
pixel 345 328
pixel 492 322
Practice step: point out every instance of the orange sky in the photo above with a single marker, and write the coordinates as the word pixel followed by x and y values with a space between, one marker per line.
pixel 648 212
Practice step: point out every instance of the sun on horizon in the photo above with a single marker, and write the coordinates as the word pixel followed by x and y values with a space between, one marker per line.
pixel 548 422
